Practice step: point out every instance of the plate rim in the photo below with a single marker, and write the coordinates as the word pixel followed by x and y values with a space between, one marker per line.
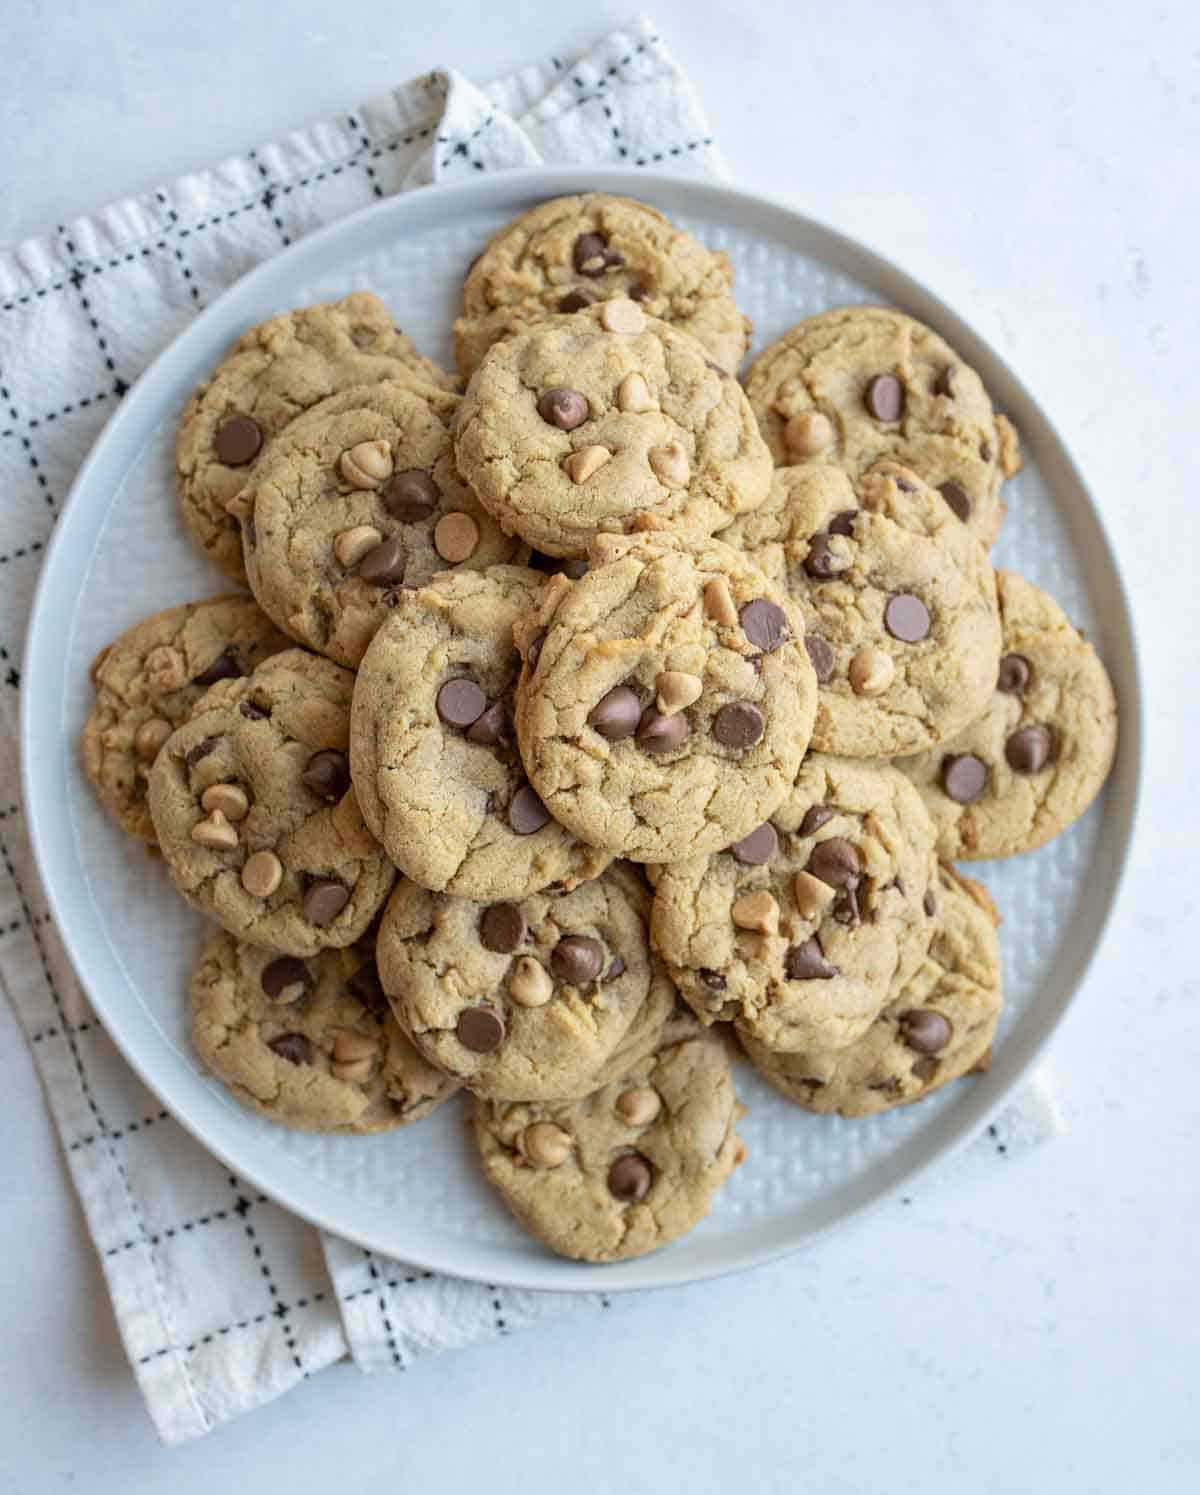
pixel 45 758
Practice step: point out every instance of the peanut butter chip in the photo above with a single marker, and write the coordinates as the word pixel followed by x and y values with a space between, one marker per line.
pixel 349 1045
pixel 580 465
pixel 352 1072
pixel 165 668
pixel 812 895
pixel 230 799
pixel 216 833
pixel 530 985
pixel 808 433
pixel 757 911
pixel 352 544
pixel 639 1105
pixel 150 737
pixel 622 315
pixel 367 465
pixel 670 464
pixel 676 690
pixel 633 395
pixel 544 1145
pixel 871 671
pixel 719 604
pixel 455 537
pixel 262 874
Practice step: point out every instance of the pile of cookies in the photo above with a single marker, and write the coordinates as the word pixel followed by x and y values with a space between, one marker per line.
pixel 593 713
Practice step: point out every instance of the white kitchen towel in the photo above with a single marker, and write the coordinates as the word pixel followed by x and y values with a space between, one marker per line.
pixel 223 1299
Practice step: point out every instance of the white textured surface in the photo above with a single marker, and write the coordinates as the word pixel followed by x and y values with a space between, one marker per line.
pixel 1032 1330
pixel 423 1194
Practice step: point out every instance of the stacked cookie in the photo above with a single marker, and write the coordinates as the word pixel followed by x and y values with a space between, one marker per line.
pixel 591 709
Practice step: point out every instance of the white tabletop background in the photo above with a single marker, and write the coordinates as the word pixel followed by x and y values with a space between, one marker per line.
pixel 1035 1328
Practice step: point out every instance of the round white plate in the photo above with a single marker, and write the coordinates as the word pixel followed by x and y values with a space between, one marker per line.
pixel 120 552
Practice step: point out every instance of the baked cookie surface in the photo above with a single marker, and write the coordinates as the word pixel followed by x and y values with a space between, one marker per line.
pixel 608 421
pixel 627 1169
pixel 255 816
pixel 1032 763
pixel 573 252
pixel 273 373
pixel 861 383
pixel 147 682
pixel 309 1043
pixel 940 1027
pixel 666 700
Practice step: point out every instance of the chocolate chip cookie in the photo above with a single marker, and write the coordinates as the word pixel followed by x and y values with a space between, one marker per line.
pixel 573 252
pixel 519 999
pixel 309 1043
pixel 147 682
pixel 608 421
pixel 631 1167
pixel 273 373
pixel 356 500
pixel 802 931
pixel 861 383
pixel 666 700
pixel 939 1028
pixel 898 600
pixel 255 815
pixel 433 751
pixel 1032 763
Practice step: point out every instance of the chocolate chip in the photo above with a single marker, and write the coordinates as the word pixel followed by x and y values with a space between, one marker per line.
pixel 821 561
pixel 925 1030
pixel 944 383
pixel 637 291
pixel 226 666
pixel 503 928
pixel 590 248
pixel 460 703
pixel 327 774
pixel 1014 674
pixel 924 1068
pixel 616 715
pixel 201 750
pixel 383 566
pixel 411 496
pixel 630 1177
pixel 527 813
pixel 254 713
pixel 480 1029
pixel 764 624
pixel 929 904
pixel 368 988
pixel 251 532
pixel 324 901
pixel 957 497
pixel 758 847
pixel 535 649
pixel 738 725
pixel 577 960
pixel 492 728
pixel 906 485
pixel 1029 749
pixel 985 451
pixel 713 979
pixel 237 440
pixel 807 962
pixel 815 817
pixel 837 862
pixel 885 397
pixel 820 655
pixel 564 408
pixel 843 523
pixel 964 777
pixel 906 618
pixel 657 733
pixel 851 904
pixel 293 1047
pixel 285 972
pixel 616 968
pixel 576 300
